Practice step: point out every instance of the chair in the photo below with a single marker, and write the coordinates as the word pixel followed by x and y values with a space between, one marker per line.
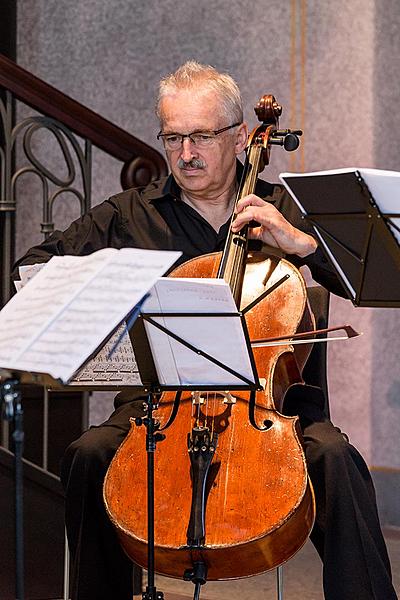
pixel 315 370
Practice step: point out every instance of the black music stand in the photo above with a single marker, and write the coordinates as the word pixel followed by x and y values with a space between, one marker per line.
pixel 359 233
pixel 149 374
pixel 12 411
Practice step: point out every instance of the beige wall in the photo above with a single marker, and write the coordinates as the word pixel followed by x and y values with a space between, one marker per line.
pixel 333 66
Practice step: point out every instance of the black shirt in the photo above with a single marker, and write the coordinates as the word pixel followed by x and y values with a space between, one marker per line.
pixel 155 217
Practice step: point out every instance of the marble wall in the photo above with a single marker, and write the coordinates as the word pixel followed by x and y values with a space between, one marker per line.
pixel 333 66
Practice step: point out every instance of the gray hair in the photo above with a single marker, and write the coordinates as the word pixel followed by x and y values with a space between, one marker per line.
pixel 195 75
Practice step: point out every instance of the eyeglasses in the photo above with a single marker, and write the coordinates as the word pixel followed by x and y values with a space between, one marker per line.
pixel 173 141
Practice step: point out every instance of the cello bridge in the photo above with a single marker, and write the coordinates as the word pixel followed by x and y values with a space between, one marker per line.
pixel 228 398
pixel 197 398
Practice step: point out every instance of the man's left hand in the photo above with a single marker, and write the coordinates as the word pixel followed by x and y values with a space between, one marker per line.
pixel 274 229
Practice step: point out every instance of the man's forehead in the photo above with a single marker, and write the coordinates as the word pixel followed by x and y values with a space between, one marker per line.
pixel 191 109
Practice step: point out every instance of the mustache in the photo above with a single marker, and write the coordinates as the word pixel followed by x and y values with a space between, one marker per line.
pixel 195 163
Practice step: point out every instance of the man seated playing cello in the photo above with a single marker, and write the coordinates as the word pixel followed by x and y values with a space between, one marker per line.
pixel 190 211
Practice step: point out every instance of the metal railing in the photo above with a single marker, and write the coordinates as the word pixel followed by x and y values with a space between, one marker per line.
pixel 70 123
pixel 74 130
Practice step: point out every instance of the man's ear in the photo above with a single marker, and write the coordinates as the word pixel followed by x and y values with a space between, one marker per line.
pixel 241 138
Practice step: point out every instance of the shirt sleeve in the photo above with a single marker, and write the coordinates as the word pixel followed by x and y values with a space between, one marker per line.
pixel 97 229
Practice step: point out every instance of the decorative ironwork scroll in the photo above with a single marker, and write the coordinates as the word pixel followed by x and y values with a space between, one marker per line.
pixel 73 130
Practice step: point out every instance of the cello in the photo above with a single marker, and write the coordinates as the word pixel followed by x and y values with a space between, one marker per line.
pixel 230 475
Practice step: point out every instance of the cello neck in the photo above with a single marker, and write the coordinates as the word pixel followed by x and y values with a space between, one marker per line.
pixel 233 261
pixel 234 256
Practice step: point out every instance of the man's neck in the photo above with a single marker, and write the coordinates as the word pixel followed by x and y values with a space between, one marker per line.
pixel 214 209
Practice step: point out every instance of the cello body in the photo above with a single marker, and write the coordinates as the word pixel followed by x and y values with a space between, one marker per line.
pixel 259 502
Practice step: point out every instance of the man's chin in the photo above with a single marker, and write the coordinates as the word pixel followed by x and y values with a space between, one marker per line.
pixel 193 179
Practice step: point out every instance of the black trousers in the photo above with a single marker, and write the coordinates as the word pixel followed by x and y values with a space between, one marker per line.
pixel 346 534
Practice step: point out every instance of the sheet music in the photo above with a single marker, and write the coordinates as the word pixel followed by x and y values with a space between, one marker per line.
pixel 385 189
pixel 221 337
pixel 64 313
pixel 105 372
pixel 102 371
pixel 26 273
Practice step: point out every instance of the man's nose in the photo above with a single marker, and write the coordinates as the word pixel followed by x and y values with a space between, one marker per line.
pixel 188 150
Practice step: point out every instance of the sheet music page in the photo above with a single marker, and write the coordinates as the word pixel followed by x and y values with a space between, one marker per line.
pixel 117 371
pixel 26 273
pixel 102 371
pixel 221 337
pixel 64 313
pixel 385 189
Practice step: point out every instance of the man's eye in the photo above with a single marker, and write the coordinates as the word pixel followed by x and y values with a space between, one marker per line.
pixel 202 137
pixel 172 138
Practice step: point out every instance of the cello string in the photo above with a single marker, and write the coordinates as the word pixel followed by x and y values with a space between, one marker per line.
pixel 198 412
pixel 207 405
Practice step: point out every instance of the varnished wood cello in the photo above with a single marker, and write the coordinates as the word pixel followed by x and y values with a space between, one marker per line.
pixel 256 505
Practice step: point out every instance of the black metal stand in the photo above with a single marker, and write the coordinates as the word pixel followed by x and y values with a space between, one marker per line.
pixel 197 575
pixel 357 237
pixel 10 396
pixel 149 376
pixel 152 437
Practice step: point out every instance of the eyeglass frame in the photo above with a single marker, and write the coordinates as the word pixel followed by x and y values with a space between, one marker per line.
pixel 188 135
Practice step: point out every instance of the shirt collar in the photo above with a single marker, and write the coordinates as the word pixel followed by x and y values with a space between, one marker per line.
pixel 165 187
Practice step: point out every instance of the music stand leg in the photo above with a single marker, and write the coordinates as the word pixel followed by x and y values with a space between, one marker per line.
pixel 152 437
pixel 12 411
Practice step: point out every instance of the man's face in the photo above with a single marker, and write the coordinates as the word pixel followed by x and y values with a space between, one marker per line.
pixel 202 172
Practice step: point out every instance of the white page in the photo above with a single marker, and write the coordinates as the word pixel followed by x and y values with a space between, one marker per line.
pixel 385 189
pixel 64 313
pixel 220 337
pixel 27 272
pixel 104 371
pixel 394 225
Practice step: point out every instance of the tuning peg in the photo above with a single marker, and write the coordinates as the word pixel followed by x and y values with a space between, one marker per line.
pixel 291 142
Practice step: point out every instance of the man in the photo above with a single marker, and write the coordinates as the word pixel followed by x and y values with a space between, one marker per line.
pixel 202 128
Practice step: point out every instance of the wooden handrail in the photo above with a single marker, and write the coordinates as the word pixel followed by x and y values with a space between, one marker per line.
pixel 81 120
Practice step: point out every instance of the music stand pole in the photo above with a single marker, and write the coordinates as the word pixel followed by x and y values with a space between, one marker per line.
pixel 152 437
pixel 10 396
pixel 150 380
